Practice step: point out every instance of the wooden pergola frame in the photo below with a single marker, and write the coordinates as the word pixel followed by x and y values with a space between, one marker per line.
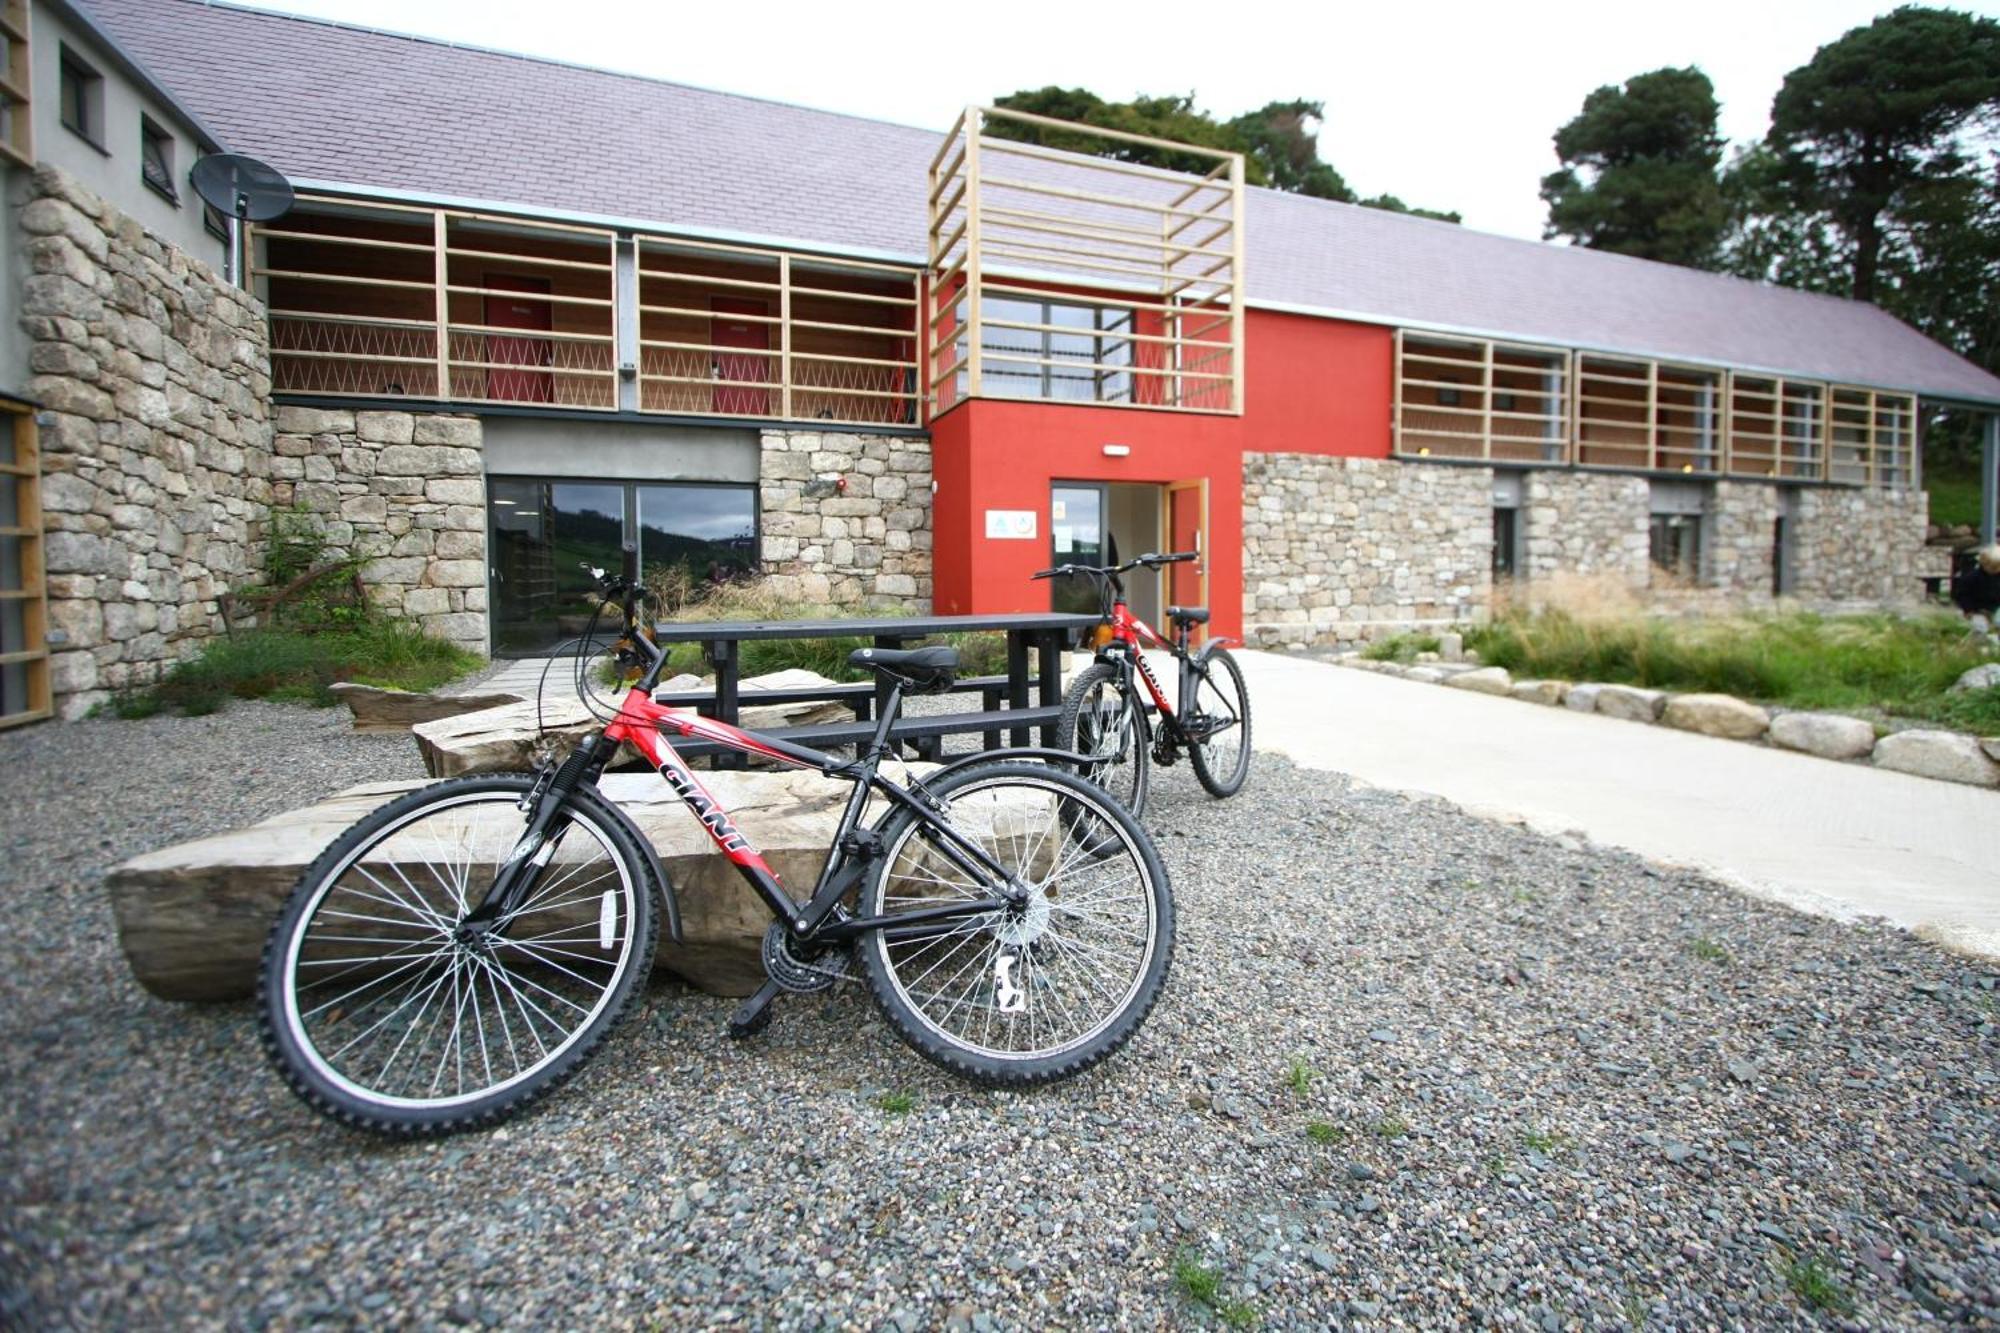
pixel 1016 220
pixel 1876 426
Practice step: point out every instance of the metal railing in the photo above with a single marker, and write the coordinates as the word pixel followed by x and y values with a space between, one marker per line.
pixel 1061 275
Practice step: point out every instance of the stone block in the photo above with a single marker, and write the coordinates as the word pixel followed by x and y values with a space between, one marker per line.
pixel 385 427
pixel 292 420
pixel 1721 715
pixel 1550 692
pixel 409 460
pixel 1828 735
pixel 1630 703
pixel 1945 755
pixel 1483 680
pixel 456 491
pixel 463 432
pixel 1582 698
pixel 456 574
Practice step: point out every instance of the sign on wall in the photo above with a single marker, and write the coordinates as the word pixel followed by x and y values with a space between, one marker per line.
pixel 1010 524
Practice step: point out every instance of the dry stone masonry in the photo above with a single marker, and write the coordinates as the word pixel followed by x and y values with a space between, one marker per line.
pixel 1587 525
pixel 1341 549
pixel 847 518
pixel 154 381
pixel 407 491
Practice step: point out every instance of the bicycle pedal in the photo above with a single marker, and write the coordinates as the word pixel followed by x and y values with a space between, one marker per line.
pixel 754 1014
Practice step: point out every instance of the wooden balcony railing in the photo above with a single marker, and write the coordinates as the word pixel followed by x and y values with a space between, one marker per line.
pixel 1475 398
pixel 391 302
pixel 1060 275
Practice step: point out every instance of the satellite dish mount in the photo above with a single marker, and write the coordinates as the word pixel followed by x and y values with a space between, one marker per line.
pixel 243 190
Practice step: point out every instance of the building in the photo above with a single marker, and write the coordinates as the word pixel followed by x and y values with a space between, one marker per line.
pixel 886 365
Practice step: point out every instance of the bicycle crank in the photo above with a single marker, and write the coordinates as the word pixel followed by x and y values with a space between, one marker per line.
pixel 802 976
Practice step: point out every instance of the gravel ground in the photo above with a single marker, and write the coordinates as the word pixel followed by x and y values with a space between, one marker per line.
pixel 1411 1067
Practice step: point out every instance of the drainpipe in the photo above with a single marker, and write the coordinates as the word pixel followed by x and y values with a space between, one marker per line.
pixel 1989 480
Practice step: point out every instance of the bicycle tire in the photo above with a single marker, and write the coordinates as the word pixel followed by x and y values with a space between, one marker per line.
pixel 1125 742
pixel 298 1026
pixel 1235 695
pixel 1058 944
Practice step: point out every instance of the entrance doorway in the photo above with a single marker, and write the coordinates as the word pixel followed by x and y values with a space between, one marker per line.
pixel 1088 522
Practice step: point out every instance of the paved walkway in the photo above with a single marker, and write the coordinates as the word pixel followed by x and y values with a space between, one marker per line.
pixel 1837 839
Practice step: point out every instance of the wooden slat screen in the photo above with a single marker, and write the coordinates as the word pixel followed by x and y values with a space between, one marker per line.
pixel 24 653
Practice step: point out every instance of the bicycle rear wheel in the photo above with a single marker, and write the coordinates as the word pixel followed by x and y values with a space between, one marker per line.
pixel 1103 718
pixel 1221 705
pixel 1036 993
pixel 385 1014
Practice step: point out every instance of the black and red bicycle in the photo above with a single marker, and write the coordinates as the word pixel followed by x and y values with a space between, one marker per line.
pixel 1105 719
pixel 465 948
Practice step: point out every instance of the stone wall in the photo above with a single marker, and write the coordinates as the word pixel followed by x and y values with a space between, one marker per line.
pixel 154 380
pixel 1858 547
pixel 1341 549
pixel 1585 525
pixel 847 518
pixel 405 490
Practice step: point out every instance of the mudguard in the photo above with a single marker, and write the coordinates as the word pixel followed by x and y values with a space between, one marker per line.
pixel 667 900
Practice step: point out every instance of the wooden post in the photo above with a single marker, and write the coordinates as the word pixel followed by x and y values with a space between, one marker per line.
pixel 1236 288
pixel 439 223
pixel 785 336
pixel 975 126
pixel 1989 480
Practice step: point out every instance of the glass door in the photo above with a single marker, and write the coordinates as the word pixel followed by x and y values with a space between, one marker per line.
pixel 1077 528
pixel 543 533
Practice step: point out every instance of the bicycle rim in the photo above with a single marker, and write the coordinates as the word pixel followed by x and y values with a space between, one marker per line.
pixel 1109 730
pixel 383 1001
pixel 1224 757
pixel 1043 981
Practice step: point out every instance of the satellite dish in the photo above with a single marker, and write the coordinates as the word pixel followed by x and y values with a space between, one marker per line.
pixel 242 187
pixel 243 190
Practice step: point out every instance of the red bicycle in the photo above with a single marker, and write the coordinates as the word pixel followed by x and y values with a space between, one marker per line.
pixel 465 948
pixel 1104 718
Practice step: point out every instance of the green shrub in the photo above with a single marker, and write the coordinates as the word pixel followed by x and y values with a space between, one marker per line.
pixel 1899 664
pixel 1400 648
pixel 290 665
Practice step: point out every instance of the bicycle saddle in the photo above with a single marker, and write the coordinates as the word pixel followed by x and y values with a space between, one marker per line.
pixel 921 670
pixel 1192 615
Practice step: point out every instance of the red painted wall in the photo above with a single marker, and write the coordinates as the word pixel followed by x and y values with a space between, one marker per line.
pixel 1310 386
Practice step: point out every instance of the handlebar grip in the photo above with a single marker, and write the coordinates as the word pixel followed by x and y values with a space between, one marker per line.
pixel 1178 556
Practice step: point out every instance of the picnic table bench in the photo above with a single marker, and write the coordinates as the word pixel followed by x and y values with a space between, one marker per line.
pixel 1026 699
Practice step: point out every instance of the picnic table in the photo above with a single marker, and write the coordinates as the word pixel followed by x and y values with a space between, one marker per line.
pixel 1020 702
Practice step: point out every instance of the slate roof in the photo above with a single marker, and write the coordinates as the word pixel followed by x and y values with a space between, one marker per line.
pixel 337 104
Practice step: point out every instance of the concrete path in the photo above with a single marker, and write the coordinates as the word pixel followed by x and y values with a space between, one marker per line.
pixel 1836 839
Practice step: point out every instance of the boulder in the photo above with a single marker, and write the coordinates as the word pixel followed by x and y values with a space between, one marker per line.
pixel 1428 675
pixel 1541 691
pixel 380 711
pixel 1582 698
pixel 1483 680
pixel 1978 678
pixel 1630 702
pixel 1716 715
pixel 1828 735
pixel 1451 646
pixel 1990 744
pixel 192 919
pixel 1945 755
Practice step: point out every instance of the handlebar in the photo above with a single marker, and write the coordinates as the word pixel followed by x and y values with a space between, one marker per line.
pixel 1151 560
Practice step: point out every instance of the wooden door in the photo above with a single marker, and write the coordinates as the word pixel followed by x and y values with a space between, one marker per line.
pixel 1187 530
pixel 510 374
pixel 749 366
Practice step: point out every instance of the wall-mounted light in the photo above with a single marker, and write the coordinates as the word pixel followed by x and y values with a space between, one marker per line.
pixel 1117 450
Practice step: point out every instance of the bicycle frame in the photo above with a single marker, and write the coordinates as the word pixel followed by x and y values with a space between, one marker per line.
pixel 1130 636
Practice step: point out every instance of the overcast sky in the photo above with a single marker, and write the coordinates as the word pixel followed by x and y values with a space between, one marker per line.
pixel 1444 103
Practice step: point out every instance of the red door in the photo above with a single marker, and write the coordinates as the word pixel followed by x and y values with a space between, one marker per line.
pixel 1187 524
pixel 750 366
pixel 515 381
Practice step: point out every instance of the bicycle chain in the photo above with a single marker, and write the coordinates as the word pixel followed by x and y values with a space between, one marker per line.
pixel 799 975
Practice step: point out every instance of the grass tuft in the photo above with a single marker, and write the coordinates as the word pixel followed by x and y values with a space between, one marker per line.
pixel 1400 648
pixel 294 666
pixel 1708 950
pixel 1321 1131
pixel 1203 1285
pixel 1391 1126
pixel 896 1103
pixel 1812 1283
pixel 1299 1077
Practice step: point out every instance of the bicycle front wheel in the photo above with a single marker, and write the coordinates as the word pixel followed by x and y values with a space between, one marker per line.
pixel 1027 994
pixel 1222 710
pixel 1102 717
pixel 385 1013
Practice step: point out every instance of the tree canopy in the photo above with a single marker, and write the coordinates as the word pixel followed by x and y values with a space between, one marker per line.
pixel 1638 174
pixel 1279 141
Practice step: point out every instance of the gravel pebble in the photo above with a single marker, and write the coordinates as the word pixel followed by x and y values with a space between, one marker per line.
pixel 1552 1040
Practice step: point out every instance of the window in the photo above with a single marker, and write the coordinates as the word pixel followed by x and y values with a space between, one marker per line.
pixel 156 159
pixel 1056 350
pixel 1676 531
pixel 1506 542
pixel 81 96
pixel 16 74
